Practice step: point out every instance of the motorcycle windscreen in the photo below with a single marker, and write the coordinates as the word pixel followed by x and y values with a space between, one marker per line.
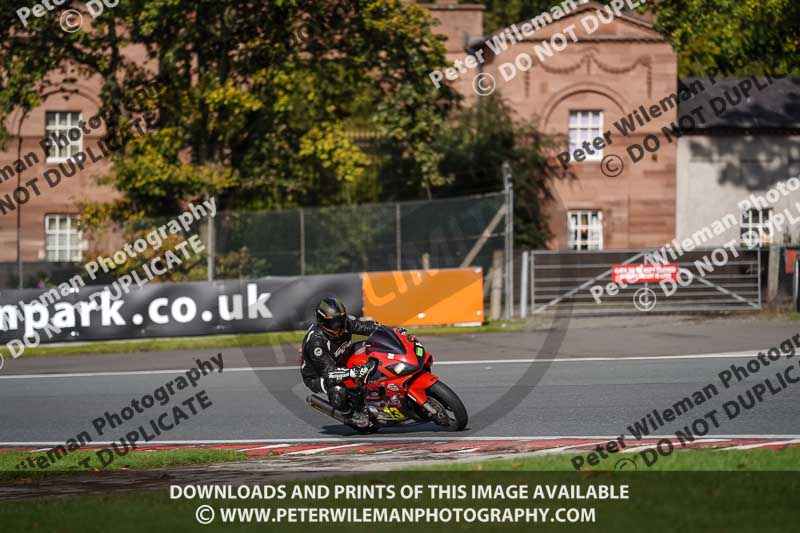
pixel 384 339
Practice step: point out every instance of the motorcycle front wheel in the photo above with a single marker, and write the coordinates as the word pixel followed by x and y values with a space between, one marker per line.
pixel 452 415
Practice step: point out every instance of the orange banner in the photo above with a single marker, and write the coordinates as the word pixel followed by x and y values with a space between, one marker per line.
pixel 424 297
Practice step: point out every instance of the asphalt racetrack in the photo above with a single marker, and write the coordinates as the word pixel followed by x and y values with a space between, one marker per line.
pixel 606 375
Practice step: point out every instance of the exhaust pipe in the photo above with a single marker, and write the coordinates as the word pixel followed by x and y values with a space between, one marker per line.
pixel 323 406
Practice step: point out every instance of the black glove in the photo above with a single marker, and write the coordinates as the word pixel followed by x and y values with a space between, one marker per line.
pixel 359 371
pixel 341 374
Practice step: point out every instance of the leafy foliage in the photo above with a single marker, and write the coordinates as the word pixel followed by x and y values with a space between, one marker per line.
pixel 501 14
pixel 253 99
pixel 733 36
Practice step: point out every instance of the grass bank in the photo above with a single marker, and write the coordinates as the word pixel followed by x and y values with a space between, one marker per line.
pixel 20 465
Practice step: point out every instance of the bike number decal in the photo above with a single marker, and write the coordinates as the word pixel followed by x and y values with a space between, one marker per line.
pixel 394 412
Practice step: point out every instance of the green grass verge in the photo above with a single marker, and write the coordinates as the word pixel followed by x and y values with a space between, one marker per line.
pixel 135 460
pixel 227 341
pixel 163 344
pixel 703 460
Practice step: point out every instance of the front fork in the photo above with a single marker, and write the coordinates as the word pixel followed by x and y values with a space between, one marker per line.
pixel 418 388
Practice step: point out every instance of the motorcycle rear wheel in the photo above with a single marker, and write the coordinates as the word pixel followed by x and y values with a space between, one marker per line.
pixel 454 415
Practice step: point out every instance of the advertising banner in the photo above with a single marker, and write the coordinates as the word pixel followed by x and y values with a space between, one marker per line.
pixel 171 309
pixel 424 297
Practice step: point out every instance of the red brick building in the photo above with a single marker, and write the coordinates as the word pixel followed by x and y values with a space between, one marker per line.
pixel 48 219
pixel 597 78
pixel 587 83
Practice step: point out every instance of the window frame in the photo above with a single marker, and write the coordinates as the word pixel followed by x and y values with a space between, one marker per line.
pixel 586 131
pixel 573 244
pixel 763 226
pixel 50 132
pixel 63 251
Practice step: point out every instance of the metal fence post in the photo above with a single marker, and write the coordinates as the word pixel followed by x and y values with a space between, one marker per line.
pixel 398 236
pixel 302 242
pixel 523 286
pixel 210 237
pixel 773 272
pixel 759 278
pixel 796 285
pixel 496 283
pixel 509 189
pixel 533 281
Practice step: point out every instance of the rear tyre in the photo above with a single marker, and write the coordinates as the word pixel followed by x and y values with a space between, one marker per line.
pixel 452 413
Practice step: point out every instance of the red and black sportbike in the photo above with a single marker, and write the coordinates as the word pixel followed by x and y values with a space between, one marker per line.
pixel 399 388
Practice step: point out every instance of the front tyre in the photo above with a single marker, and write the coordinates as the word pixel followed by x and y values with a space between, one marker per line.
pixel 452 415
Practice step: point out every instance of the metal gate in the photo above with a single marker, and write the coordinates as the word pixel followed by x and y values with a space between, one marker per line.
pixel 580 282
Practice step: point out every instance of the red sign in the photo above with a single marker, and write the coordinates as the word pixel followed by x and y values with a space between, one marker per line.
pixel 644 273
pixel 791 257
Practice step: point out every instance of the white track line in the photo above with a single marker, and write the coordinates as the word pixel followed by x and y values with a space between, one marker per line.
pixel 762 444
pixel 327 448
pixel 560 449
pixel 467 450
pixel 729 355
pixel 638 449
pixel 401 438
pixel 264 447
pixel 438 363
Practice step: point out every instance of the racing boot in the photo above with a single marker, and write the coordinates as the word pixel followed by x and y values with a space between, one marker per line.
pixel 360 418
pixel 359 415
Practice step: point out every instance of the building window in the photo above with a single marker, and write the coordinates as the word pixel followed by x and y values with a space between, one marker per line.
pixel 58 126
pixel 756 228
pixel 585 126
pixel 63 239
pixel 585 230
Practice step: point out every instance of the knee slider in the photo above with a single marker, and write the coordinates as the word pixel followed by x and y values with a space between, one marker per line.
pixel 338 396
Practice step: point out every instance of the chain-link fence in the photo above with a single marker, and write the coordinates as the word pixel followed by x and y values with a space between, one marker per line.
pixel 250 244
pixel 368 237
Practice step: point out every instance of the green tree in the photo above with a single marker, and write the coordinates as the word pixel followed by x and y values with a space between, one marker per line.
pixel 732 36
pixel 251 101
pixel 501 14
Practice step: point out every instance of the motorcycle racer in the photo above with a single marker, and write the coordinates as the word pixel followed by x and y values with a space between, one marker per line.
pixel 323 347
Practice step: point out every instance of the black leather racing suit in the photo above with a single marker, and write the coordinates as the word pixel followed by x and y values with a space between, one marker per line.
pixel 322 359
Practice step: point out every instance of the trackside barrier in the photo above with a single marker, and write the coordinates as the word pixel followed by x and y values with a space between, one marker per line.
pixel 424 297
pixel 65 313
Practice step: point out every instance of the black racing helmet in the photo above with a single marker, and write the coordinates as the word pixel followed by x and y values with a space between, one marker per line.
pixel 332 317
